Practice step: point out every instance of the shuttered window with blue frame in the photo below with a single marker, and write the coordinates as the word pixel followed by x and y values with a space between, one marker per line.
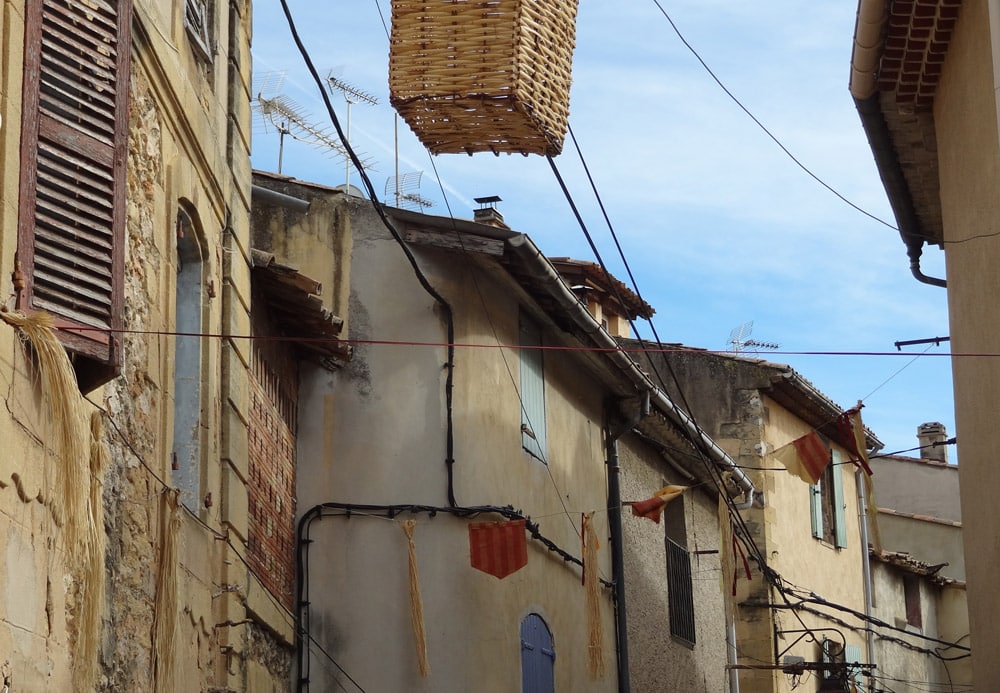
pixel 538 656
pixel 826 504
pixel 532 389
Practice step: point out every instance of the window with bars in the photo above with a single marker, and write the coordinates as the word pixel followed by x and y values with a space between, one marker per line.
pixel 680 588
pixel 71 226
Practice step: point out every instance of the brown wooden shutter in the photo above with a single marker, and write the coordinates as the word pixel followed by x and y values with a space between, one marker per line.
pixel 73 153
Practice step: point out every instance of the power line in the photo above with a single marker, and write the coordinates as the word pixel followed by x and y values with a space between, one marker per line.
pixel 764 128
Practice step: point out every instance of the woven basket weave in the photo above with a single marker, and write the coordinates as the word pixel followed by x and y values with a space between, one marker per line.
pixel 483 75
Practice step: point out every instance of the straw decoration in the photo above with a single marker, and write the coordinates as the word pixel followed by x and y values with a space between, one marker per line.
pixel 165 608
pixel 416 602
pixel 592 586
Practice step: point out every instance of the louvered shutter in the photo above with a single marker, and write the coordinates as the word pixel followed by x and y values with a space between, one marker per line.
pixel 839 514
pixel 538 656
pixel 533 430
pixel 73 152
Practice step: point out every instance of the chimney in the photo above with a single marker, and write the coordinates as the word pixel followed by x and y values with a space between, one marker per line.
pixel 488 213
pixel 928 434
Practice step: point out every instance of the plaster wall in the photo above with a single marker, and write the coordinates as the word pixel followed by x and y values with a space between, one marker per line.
pixel 930 542
pixel 658 661
pixel 920 487
pixel 913 668
pixel 833 573
pixel 969 158
pixel 374 432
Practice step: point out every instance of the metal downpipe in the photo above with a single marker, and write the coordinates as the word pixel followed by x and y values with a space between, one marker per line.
pixel 611 436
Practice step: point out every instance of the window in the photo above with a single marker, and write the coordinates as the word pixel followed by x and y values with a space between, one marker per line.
pixel 680 594
pixel 71 226
pixel 538 656
pixel 197 22
pixel 827 505
pixel 911 595
pixel 187 364
pixel 532 389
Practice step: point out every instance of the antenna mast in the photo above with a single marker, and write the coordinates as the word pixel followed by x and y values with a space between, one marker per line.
pixel 351 96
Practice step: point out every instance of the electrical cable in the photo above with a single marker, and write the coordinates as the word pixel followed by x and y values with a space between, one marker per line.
pixel 445 307
pixel 764 128
pixel 223 536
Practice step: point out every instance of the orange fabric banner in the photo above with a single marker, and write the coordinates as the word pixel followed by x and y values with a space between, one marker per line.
pixel 498 548
pixel 652 508
pixel 806 457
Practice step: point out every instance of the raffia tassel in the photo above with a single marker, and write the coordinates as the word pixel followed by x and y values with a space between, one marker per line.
pixel 166 607
pixel 591 587
pixel 63 410
pixel 87 651
pixel 416 602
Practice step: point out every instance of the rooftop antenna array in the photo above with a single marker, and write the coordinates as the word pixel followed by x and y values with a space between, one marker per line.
pixel 739 340
pixel 405 188
pixel 351 96
pixel 288 118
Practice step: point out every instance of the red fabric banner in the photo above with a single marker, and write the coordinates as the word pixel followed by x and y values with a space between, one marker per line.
pixel 498 548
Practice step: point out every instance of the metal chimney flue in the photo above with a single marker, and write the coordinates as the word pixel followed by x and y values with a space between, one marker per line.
pixel 488 212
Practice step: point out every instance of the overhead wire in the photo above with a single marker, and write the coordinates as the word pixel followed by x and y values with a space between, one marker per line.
pixel 764 128
pixel 220 535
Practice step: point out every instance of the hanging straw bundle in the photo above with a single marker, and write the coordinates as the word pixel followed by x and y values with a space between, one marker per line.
pixel 592 586
pixel 92 585
pixel 483 75
pixel 62 407
pixel 76 501
pixel 165 609
pixel 416 602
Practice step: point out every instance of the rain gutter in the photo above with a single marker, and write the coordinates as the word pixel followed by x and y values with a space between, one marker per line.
pixel 538 267
pixel 865 56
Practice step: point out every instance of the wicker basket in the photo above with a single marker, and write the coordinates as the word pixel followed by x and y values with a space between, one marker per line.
pixel 483 75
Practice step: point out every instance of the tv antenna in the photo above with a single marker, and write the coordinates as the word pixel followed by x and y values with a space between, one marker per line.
pixel 351 96
pixel 739 340
pixel 288 118
pixel 404 187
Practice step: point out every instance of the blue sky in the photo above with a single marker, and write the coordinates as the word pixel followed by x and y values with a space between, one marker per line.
pixel 718 225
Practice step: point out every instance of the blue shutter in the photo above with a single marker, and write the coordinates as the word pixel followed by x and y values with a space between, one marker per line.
pixel 839 519
pixel 538 656
pixel 852 653
pixel 532 390
pixel 816 508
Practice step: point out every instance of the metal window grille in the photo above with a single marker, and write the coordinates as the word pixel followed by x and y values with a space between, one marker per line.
pixel 680 597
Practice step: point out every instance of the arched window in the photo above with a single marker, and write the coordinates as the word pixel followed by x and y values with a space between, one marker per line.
pixel 538 656
pixel 187 363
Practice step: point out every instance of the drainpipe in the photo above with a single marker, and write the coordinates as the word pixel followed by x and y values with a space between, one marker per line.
pixel 611 436
pixel 539 268
pixel 866 565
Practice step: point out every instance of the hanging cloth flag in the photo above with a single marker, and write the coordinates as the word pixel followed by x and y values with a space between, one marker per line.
pixel 652 508
pixel 498 548
pixel 852 437
pixel 805 457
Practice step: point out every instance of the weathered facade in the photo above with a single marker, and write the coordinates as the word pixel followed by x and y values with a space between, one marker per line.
pixel 924 77
pixel 918 503
pixel 412 436
pixel 915 598
pixel 810 536
pixel 124 157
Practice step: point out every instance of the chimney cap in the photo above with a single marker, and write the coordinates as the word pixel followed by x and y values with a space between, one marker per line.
pixel 491 200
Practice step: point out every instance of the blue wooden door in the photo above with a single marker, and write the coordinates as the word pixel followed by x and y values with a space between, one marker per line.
pixel 538 656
